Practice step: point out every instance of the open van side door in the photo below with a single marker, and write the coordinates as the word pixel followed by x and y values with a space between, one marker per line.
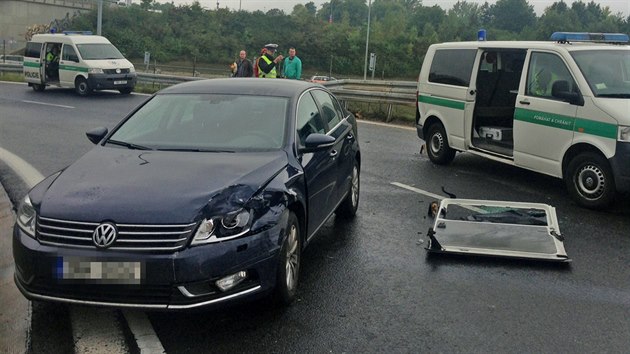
pixel 34 63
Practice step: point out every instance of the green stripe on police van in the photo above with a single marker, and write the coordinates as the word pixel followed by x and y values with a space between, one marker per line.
pixel 32 65
pixel 442 102
pixel 73 68
pixel 559 121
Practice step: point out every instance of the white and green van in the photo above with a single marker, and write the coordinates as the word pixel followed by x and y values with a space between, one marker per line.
pixel 561 108
pixel 83 61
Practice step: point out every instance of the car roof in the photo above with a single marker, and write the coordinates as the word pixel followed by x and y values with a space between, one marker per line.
pixel 549 45
pixel 244 86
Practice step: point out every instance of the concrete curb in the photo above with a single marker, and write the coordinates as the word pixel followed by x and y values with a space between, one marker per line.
pixel 15 310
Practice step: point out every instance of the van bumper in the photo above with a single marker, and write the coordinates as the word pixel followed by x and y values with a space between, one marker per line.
pixel 108 82
pixel 621 167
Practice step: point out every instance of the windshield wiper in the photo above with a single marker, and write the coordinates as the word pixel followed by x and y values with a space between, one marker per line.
pixel 614 95
pixel 128 145
pixel 194 150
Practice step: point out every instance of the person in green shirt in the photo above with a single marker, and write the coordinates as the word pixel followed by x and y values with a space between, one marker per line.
pixel 292 66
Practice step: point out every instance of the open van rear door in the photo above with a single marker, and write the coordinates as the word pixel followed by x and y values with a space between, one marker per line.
pixel 497 228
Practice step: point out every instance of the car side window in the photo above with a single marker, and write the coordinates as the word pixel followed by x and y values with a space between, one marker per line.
pixel 330 113
pixel 545 71
pixel 309 120
pixel 68 53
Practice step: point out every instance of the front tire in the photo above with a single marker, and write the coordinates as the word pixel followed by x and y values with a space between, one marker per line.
pixel 81 87
pixel 438 150
pixel 126 90
pixel 289 263
pixel 348 208
pixel 590 181
pixel 39 87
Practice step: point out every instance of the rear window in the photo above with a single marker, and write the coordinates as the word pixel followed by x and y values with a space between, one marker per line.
pixel 33 50
pixel 452 66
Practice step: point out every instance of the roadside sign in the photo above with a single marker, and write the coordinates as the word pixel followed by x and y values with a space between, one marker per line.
pixel 147 58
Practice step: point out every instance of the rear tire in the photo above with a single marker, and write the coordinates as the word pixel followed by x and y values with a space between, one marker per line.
pixel 590 181
pixel 39 87
pixel 288 272
pixel 438 150
pixel 348 208
pixel 81 87
pixel 126 90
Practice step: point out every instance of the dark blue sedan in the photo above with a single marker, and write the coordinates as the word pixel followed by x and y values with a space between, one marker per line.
pixel 206 193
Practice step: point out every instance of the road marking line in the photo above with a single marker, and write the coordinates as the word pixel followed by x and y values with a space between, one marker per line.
pixel 27 173
pixel 48 104
pixel 385 124
pixel 143 332
pixel 432 195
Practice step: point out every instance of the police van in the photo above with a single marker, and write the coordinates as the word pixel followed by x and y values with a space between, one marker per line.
pixel 77 60
pixel 561 108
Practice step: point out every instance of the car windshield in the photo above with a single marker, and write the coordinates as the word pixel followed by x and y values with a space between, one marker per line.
pixel 206 122
pixel 99 51
pixel 606 71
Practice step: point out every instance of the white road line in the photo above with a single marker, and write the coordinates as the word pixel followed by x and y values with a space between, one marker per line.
pixel 143 332
pixel 432 195
pixel 385 124
pixel 48 104
pixel 27 173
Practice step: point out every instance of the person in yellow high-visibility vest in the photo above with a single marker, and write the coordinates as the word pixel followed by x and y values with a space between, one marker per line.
pixel 267 63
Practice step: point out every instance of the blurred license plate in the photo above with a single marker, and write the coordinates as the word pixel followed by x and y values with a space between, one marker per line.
pixel 120 82
pixel 100 272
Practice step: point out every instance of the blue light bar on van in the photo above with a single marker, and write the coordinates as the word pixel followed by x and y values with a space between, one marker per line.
pixel 590 37
pixel 87 33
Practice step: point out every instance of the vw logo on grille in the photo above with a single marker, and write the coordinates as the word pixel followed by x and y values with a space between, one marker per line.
pixel 104 235
pixel 117 70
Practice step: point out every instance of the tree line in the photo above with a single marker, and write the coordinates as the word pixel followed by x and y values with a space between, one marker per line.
pixel 335 34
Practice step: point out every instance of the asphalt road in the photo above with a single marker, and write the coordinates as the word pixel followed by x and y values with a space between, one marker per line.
pixel 368 285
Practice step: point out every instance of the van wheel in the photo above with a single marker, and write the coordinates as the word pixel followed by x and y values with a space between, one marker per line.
pixel 590 180
pixel 126 90
pixel 39 87
pixel 81 87
pixel 437 145
pixel 288 272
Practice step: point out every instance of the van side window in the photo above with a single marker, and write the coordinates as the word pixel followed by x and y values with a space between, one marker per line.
pixel 452 66
pixel 33 50
pixel 68 53
pixel 545 70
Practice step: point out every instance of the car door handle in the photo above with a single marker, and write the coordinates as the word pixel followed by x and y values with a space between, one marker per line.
pixel 350 136
pixel 333 153
pixel 524 102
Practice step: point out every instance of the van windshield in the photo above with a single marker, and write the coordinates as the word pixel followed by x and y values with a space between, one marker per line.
pixel 99 51
pixel 606 71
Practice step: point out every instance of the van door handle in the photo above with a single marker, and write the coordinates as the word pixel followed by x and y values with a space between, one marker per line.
pixel 524 102
pixel 472 92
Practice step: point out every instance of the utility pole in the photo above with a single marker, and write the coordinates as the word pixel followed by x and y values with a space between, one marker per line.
pixel 99 18
pixel 367 42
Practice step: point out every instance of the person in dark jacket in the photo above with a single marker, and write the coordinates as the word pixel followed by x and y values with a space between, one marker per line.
pixel 267 63
pixel 243 66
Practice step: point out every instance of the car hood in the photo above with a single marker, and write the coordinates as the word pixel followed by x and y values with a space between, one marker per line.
pixel 617 108
pixel 155 187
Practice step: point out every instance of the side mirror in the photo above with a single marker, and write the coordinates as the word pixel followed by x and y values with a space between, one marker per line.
pixel 560 89
pixel 97 134
pixel 317 142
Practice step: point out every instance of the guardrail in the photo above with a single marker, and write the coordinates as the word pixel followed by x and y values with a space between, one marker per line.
pixel 384 92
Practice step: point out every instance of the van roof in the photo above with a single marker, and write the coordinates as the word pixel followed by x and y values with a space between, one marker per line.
pixel 532 45
pixel 68 38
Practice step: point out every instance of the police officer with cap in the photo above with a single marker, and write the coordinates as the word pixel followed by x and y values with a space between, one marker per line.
pixel 267 63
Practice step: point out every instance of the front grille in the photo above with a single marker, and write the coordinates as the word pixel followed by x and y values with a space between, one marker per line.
pixel 131 237
pixel 113 71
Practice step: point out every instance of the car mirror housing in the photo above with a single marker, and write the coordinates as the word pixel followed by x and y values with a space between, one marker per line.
pixel 97 134
pixel 317 142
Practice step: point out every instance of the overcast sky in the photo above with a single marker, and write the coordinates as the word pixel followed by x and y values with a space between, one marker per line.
pixel 615 6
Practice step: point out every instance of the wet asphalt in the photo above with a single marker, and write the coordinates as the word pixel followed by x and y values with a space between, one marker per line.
pixel 369 285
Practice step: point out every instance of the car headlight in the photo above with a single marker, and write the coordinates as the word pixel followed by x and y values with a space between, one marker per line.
pixel 223 228
pixel 95 70
pixel 623 133
pixel 27 217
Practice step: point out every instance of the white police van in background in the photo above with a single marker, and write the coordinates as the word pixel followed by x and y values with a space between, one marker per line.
pixel 561 108
pixel 86 63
